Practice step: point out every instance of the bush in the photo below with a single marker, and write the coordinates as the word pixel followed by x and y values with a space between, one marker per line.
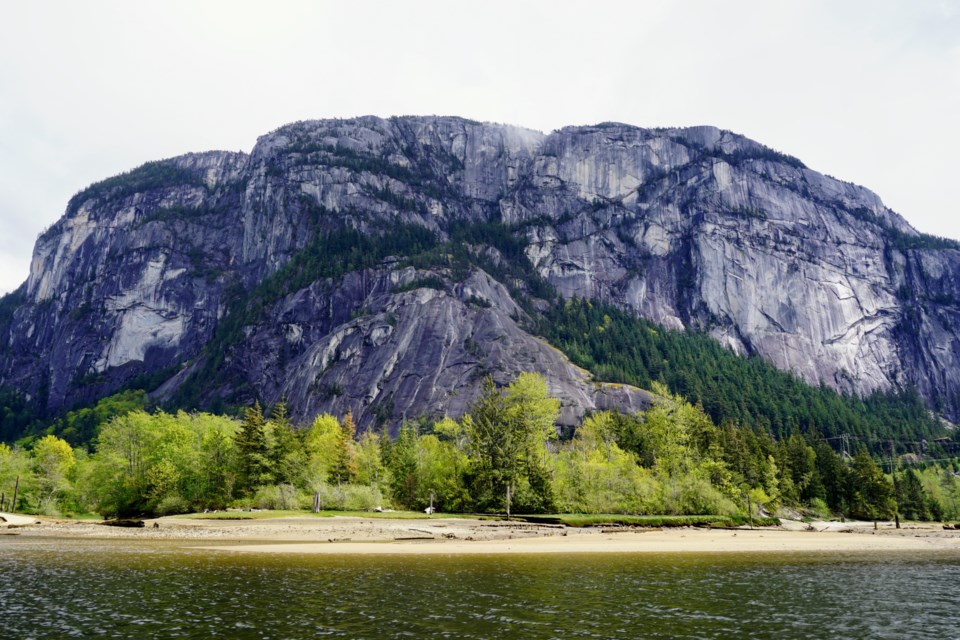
pixel 362 498
pixel 347 497
pixel 818 509
pixel 692 495
pixel 278 497
pixel 172 505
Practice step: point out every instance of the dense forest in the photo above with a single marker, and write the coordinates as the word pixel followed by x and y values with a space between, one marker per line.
pixel 729 429
pixel 670 459
pixel 619 347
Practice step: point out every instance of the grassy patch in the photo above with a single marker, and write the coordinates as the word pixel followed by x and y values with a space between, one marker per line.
pixel 292 513
pixel 602 519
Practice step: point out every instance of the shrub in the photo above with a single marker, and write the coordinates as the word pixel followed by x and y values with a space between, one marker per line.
pixel 173 504
pixel 278 497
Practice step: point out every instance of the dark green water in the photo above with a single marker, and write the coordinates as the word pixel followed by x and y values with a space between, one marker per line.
pixel 77 589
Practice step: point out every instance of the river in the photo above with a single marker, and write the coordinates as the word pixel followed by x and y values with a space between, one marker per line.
pixel 57 588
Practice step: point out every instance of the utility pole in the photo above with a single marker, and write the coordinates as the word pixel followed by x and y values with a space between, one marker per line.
pixel 508 501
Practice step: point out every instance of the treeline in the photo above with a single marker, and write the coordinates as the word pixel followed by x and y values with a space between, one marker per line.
pixel 613 344
pixel 671 459
pixel 618 347
pixel 158 174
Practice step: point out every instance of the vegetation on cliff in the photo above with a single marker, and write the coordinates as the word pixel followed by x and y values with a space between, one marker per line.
pixel 671 459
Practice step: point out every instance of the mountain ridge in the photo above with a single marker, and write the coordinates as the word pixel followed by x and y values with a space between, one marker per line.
pixel 692 228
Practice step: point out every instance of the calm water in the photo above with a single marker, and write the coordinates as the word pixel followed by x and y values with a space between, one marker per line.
pixel 61 589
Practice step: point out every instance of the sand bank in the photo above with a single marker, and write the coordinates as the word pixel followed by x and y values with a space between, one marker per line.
pixel 440 535
pixel 652 541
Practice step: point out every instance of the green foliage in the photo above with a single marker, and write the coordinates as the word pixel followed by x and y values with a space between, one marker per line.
pixel 81 426
pixel 669 460
pixel 168 214
pixel 921 241
pixel 422 466
pixel 507 433
pixel 161 174
pixel 618 347
pixel 899 239
pixel 17 416
pixel 15 464
pixel 53 461
pixel 912 500
pixel 320 448
pixel 344 469
pixel 426 282
pixel 759 152
pixel 250 443
pixel 598 519
pixel 285 449
pixel 871 492
pixel 404 463
pixel 160 463
pixel 593 474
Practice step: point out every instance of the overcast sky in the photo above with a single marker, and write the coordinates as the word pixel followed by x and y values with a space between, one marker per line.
pixel 865 91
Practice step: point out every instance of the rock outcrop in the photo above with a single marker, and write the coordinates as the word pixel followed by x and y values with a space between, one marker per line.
pixel 150 275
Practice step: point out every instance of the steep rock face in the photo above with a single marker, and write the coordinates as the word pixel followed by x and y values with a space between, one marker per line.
pixel 765 254
pixel 688 227
pixel 128 283
pixel 406 352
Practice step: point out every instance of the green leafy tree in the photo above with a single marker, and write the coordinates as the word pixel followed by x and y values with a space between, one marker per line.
pixel 80 427
pixel 320 446
pixel 594 475
pixel 370 467
pixel 216 472
pixel 507 433
pixel 53 461
pixel 127 448
pixel 441 474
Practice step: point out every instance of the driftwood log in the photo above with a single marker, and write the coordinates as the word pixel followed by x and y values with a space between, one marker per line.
pixel 124 522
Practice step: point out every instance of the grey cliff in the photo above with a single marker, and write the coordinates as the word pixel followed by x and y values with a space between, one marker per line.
pixel 693 227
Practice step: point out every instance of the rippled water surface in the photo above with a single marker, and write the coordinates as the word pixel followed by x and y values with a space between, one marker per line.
pixel 60 589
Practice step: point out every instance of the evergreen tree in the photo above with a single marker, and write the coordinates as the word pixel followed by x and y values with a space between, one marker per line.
pixel 911 498
pixel 344 469
pixel 871 493
pixel 507 434
pixel 250 443
pixel 496 448
pixel 834 476
pixel 403 461
pixel 286 453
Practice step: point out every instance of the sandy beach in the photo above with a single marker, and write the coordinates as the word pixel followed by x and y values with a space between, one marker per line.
pixel 439 535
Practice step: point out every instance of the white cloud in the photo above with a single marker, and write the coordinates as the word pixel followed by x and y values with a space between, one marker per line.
pixel 865 91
